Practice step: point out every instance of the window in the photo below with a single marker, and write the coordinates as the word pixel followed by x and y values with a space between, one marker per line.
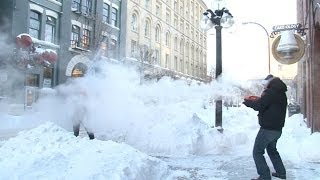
pixel 181 47
pixel 114 14
pixel 147 3
pixel 187 29
pixel 157 57
pixel 133 48
pixel 168 39
pixel 187 50
pixel 157 35
pixel 175 5
pixel 181 25
pixel 192 34
pixel 181 7
pixel 175 43
pixel 86 7
pixel 105 13
pixel 86 38
pixel 187 67
pixel 47 77
pixel 32 80
pixel 175 21
pixel 50 32
pixel 167 61
pixel 76 5
pixel 34 24
pixel 181 65
pixel 168 17
pixel 175 63
pixel 192 53
pixel 134 21
pixel 75 36
pixel 147 28
pixel 158 9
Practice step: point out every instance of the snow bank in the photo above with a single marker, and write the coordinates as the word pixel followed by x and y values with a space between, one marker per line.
pixel 50 152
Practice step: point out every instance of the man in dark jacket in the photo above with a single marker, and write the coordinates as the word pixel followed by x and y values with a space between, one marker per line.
pixel 272 106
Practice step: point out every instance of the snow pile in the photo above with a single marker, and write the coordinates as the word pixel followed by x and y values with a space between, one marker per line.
pixel 50 152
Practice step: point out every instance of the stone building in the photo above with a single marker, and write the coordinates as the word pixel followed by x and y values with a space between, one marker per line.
pixel 165 35
pixel 75 30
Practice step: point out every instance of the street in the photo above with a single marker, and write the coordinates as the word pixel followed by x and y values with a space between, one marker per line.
pixel 230 167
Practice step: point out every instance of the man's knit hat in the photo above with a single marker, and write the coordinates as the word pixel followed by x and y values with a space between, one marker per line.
pixel 270 76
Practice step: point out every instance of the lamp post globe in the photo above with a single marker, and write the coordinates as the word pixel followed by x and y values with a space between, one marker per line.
pixel 219 18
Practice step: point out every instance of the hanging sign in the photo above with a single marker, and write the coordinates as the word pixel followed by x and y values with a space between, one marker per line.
pixel 290 57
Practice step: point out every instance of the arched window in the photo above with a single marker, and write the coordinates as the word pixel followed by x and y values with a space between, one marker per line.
pixel 35 24
pixel 168 39
pixel 192 61
pixel 175 43
pixel 134 22
pixel 187 50
pixel 157 35
pixel 181 47
pixel 192 53
pixel 147 28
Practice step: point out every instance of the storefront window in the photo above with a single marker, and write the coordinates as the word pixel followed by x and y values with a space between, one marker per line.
pixel 47 77
pixel 32 80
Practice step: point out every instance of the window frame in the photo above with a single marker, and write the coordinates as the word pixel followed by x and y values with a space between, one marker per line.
pixel 53 24
pixel 38 20
pixel 105 16
pixel 114 16
pixel 75 32
pixel 86 38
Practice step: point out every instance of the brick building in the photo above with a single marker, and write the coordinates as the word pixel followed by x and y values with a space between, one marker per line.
pixel 309 67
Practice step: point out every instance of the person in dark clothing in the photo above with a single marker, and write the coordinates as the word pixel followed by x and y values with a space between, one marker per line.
pixel 78 117
pixel 77 97
pixel 272 107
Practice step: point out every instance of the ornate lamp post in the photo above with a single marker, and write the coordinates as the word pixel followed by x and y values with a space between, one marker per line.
pixel 218 19
pixel 267 33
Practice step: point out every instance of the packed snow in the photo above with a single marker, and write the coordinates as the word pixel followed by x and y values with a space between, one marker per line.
pixel 152 130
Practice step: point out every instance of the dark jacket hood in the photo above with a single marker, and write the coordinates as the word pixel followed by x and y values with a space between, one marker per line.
pixel 277 84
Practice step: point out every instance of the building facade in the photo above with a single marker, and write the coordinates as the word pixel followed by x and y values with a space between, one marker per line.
pixel 74 32
pixel 165 35
pixel 27 67
pixel 309 67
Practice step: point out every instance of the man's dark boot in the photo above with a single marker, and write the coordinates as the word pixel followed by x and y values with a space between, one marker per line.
pixel 91 136
pixel 76 130
pixel 258 178
pixel 280 176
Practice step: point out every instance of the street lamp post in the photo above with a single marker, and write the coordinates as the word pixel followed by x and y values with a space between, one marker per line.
pixel 267 33
pixel 219 18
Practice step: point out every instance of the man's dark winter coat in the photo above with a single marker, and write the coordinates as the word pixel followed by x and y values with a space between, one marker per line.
pixel 272 105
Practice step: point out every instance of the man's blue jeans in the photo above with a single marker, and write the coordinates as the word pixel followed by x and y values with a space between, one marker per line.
pixel 267 139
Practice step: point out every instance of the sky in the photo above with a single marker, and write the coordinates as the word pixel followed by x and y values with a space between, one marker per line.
pixel 154 130
pixel 246 46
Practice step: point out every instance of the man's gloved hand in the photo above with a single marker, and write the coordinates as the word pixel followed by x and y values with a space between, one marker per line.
pixel 249 100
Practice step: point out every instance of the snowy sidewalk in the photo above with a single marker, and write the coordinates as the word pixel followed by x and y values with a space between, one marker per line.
pixel 231 168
